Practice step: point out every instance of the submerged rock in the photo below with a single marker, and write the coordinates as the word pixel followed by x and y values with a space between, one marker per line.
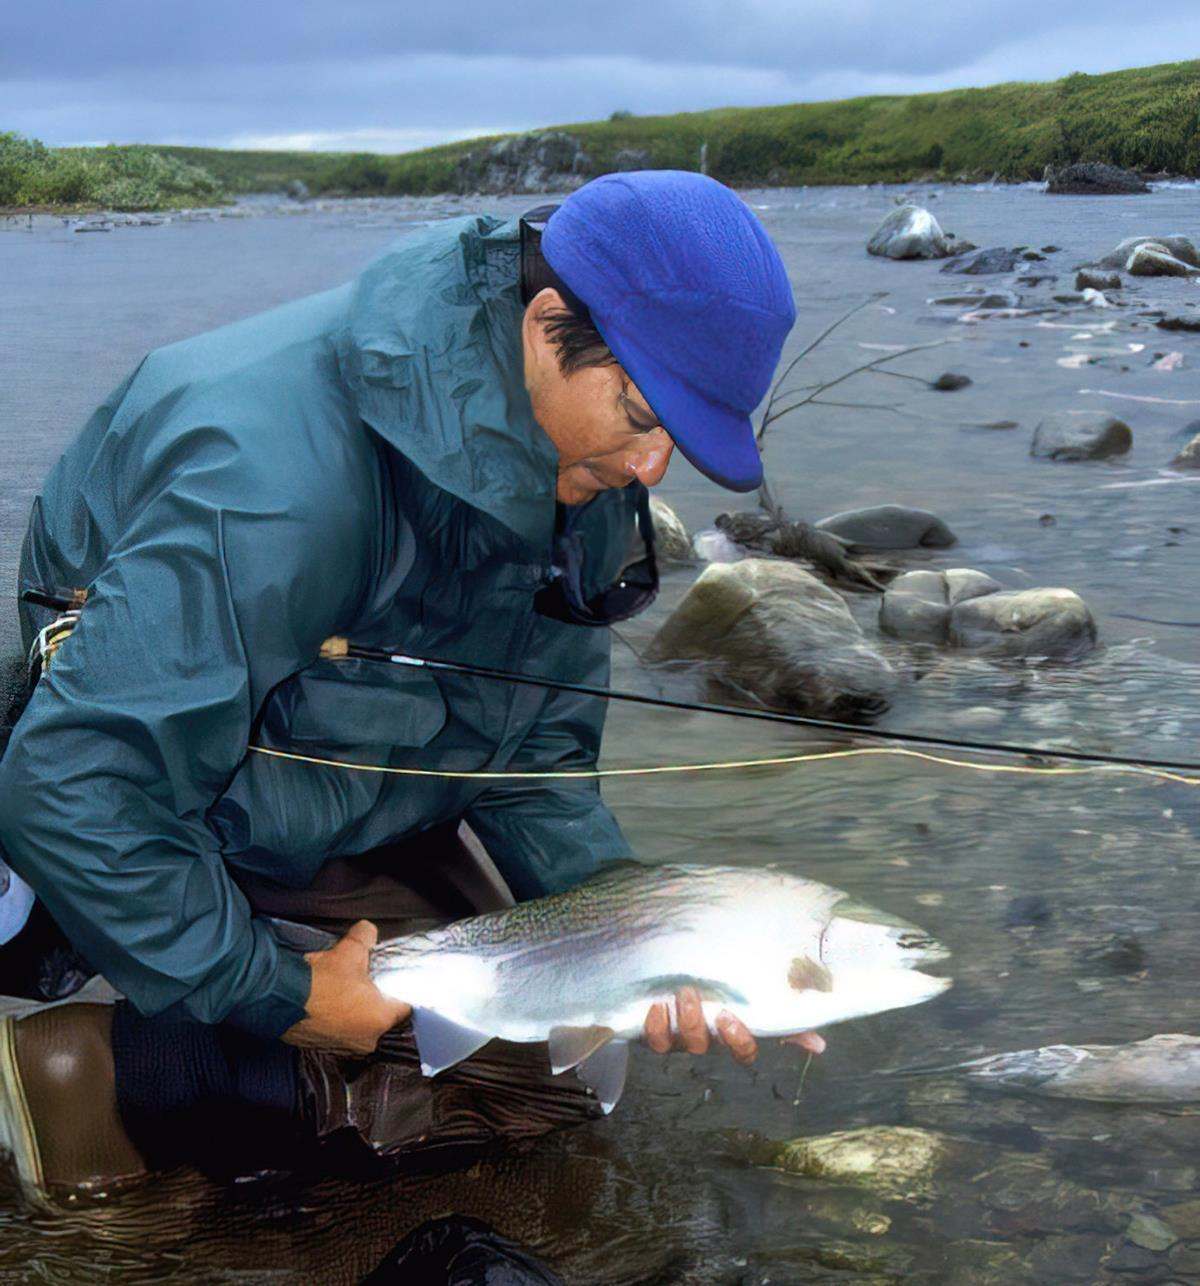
pixel 910 232
pixel 776 632
pixel 896 1160
pixel 1189 457
pixel 1184 322
pixel 964 608
pixel 980 299
pixel 1159 1069
pixel 982 262
pixel 1092 178
pixel 950 382
pixel 671 539
pixel 1176 245
pixel 1081 435
pixel 888 527
pixel 1087 278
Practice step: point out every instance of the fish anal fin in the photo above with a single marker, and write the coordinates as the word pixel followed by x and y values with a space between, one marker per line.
pixel 441 1042
pixel 604 1073
pixel 569 1046
pixel 806 974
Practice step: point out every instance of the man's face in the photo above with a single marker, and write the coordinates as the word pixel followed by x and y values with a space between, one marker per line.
pixel 605 433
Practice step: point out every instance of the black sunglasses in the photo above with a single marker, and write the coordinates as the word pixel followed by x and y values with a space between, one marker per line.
pixel 633 591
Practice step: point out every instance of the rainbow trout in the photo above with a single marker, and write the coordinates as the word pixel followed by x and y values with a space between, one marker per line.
pixel 580 969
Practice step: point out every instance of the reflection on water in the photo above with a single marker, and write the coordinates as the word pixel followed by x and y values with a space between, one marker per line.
pixel 1069 901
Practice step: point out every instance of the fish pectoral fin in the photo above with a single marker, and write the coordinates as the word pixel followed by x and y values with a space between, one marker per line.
pixel 441 1043
pixel 604 1073
pixel 569 1046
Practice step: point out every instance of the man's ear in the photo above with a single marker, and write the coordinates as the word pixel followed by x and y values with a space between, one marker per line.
pixel 533 327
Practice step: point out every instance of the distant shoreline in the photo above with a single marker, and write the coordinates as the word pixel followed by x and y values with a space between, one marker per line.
pixel 1139 119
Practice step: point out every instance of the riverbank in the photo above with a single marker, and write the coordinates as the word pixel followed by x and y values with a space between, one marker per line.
pixel 1142 119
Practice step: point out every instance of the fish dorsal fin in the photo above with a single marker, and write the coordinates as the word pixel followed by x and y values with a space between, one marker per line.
pixel 569 1046
pixel 604 1072
pixel 806 974
pixel 441 1043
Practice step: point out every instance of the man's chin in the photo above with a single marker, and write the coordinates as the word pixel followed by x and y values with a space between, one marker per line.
pixel 579 490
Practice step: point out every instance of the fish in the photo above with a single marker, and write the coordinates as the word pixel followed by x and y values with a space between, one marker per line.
pixel 580 969
pixel 1160 1069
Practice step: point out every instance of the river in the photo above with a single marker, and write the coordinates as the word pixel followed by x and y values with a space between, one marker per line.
pixel 1069 902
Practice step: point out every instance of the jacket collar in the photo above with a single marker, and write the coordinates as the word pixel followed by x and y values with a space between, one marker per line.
pixel 431 355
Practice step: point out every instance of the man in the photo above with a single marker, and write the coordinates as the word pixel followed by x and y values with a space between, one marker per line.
pixel 422 460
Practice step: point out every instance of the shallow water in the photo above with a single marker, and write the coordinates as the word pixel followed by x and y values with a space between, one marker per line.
pixel 1069 901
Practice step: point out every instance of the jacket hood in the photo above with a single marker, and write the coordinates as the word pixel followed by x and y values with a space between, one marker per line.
pixel 431 354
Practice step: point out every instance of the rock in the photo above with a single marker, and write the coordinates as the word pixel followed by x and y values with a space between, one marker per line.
pixel 1153 260
pixel 1029 910
pixel 910 232
pixel 949 382
pixel 751 528
pixel 1129 1258
pixel 1185 321
pixel 1119 953
pixel 541 161
pixel 1176 245
pixel 980 299
pixel 982 262
pixel 1081 435
pixel 777 632
pixel 888 527
pixel 1087 278
pixel 897 1161
pixel 1185 1261
pixel 297 190
pixel 632 158
pixel 671 540
pixel 1149 1232
pixel 1029 622
pixel 964 608
pixel 1189 457
pixel 1091 178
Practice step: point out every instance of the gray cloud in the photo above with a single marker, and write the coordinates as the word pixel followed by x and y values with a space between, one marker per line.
pixel 331 73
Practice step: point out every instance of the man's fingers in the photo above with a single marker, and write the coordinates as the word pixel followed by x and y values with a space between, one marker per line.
pixel 693 1028
pixel 657 1029
pixel 809 1040
pixel 737 1037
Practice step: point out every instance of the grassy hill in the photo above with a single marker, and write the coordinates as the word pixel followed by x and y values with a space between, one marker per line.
pixel 1145 118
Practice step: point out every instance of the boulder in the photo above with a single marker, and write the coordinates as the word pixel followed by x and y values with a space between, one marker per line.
pixel 715 547
pixel 671 540
pixel 1189 457
pixel 980 299
pixel 1088 279
pixel 950 382
pixel 982 262
pixel 964 608
pixel 1028 622
pixel 1081 435
pixel 888 527
pixel 910 232
pixel 1092 178
pixel 916 607
pixel 1152 259
pixel 776 632
pixel 1176 245
pixel 750 527
pixel 297 190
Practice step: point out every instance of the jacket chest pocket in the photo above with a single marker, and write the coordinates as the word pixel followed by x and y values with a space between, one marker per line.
pixel 353 704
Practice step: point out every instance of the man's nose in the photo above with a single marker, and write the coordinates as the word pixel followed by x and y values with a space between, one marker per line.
pixel 649 464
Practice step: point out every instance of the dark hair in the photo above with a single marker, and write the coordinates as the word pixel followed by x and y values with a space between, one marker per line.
pixel 577 340
pixel 569 328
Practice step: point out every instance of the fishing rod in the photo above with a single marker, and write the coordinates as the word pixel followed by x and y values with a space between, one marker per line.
pixel 334 648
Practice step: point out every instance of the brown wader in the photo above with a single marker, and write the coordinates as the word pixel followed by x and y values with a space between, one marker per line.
pixel 71 1127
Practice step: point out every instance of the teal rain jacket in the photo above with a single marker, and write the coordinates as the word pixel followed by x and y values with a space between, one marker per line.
pixel 362 462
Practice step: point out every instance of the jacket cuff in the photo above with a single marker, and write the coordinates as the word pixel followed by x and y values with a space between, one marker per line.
pixel 283 1006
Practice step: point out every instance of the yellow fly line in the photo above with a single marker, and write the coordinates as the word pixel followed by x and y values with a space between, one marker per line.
pixel 733 764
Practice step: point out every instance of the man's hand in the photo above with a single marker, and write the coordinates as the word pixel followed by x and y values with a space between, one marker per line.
pixel 693 1035
pixel 346 1012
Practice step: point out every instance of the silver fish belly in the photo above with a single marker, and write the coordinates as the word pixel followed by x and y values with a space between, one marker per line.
pixel 580 969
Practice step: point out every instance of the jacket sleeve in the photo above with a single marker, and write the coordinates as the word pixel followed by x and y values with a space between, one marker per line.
pixel 216 592
pixel 545 836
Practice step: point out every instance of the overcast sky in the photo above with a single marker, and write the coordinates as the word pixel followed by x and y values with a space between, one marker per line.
pixel 386 75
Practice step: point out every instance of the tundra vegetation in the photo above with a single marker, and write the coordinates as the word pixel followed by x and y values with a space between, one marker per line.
pixel 1145 119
